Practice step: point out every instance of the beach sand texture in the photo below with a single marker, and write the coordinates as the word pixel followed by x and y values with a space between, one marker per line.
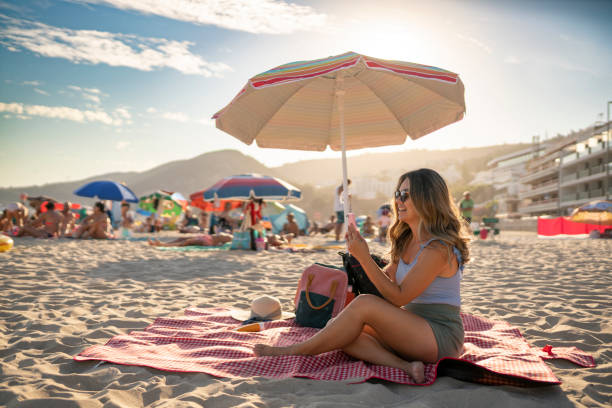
pixel 61 296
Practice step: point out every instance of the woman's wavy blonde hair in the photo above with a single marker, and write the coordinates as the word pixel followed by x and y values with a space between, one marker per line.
pixel 440 216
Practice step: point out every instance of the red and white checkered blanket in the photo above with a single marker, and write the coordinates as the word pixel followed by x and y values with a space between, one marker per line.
pixel 205 340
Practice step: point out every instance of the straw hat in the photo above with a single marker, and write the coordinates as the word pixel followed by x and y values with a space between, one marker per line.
pixel 263 308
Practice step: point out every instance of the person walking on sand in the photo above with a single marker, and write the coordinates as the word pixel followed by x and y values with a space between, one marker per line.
pixel 466 205
pixel 418 319
pixel 339 208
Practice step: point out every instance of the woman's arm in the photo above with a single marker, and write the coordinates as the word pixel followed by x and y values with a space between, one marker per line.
pixel 430 263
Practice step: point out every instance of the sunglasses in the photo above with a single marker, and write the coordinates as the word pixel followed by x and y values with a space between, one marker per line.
pixel 402 195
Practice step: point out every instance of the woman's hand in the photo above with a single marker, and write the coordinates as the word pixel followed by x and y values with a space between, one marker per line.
pixel 357 245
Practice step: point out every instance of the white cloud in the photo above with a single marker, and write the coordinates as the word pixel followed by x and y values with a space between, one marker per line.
pixel 11 107
pixel 122 144
pixel 101 47
pixel 61 112
pixel 31 83
pixel 176 116
pixel 40 91
pixel 91 94
pixel 254 16
pixel 475 42
pixel 123 113
pixel 511 59
pixel 151 110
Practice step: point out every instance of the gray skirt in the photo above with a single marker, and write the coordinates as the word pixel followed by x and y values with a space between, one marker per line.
pixel 446 324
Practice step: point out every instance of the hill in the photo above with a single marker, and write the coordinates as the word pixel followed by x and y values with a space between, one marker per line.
pixel 317 178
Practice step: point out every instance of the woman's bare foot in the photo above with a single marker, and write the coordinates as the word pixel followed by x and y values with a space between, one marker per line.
pixel 416 371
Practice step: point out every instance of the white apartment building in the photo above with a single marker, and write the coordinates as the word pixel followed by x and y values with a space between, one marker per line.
pixel 505 175
pixel 568 174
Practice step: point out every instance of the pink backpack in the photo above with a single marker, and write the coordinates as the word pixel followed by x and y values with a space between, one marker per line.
pixel 321 284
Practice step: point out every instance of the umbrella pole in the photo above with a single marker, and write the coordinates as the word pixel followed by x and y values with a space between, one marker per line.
pixel 340 94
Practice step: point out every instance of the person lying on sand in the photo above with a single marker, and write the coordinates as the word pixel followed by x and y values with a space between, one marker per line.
pixel 45 226
pixel 96 225
pixel 200 240
pixel 418 319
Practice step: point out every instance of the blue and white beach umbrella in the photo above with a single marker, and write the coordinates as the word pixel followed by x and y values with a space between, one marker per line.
pixel 107 190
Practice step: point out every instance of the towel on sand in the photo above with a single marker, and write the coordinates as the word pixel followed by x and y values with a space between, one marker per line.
pixel 205 341
pixel 189 248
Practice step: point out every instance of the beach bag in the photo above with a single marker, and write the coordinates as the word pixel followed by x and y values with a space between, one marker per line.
pixel 357 277
pixel 241 240
pixel 320 295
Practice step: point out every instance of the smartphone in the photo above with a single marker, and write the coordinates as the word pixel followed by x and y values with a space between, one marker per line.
pixel 351 219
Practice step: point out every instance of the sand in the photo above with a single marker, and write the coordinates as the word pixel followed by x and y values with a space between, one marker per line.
pixel 61 296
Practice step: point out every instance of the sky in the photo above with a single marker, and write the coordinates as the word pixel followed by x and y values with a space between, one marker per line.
pixel 94 86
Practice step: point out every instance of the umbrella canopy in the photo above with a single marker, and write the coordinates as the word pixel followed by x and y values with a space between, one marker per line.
pixel 197 200
pixel 348 101
pixel 245 186
pixel 107 190
pixel 595 212
pixel 171 207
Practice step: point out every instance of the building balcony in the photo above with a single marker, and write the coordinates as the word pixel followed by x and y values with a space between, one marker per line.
pixel 580 157
pixel 539 174
pixel 540 206
pixel 539 190
pixel 584 176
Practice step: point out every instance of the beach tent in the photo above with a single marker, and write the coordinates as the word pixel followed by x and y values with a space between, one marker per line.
pixel 171 207
pixel 301 218
pixel 348 101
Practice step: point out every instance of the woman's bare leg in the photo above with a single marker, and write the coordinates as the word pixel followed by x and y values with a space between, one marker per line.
pixel 368 348
pixel 406 333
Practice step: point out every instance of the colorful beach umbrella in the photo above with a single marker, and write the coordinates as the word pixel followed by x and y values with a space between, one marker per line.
pixel 348 101
pixel 107 190
pixel 595 212
pixel 244 186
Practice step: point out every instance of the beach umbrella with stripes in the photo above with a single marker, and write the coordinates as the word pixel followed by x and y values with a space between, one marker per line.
pixel 245 186
pixel 595 212
pixel 347 101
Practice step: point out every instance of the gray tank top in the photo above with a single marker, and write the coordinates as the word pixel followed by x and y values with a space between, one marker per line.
pixel 441 290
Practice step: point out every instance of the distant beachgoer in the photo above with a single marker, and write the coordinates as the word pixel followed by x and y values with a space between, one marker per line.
pixel 96 225
pixel 45 226
pixel 290 228
pixel 6 223
pixel 68 220
pixel 417 319
pixel 127 218
pixel 466 205
pixel 200 240
pixel 339 208
pixel 383 225
pixel 18 214
pixel 330 226
pixel 189 223
pixel 368 226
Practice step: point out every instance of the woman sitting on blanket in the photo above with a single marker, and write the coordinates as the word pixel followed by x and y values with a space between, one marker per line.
pixel 199 240
pixel 418 320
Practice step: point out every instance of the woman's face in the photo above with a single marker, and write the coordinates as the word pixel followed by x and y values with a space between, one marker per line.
pixel 405 210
